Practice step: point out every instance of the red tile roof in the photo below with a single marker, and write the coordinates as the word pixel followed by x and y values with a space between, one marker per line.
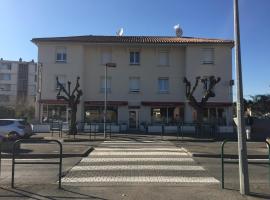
pixel 134 39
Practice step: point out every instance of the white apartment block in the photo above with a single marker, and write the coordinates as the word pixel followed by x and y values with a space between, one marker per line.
pixel 147 83
pixel 17 83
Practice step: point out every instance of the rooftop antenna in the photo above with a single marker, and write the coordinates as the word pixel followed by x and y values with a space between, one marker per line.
pixel 120 32
pixel 178 30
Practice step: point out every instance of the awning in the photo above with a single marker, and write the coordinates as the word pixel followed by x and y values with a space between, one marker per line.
pixel 109 103
pixel 53 101
pixel 161 104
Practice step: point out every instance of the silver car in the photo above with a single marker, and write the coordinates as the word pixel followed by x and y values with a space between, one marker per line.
pixel 14 128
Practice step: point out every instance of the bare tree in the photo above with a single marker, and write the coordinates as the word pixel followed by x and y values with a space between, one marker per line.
pixel 208 86
pixel 73 99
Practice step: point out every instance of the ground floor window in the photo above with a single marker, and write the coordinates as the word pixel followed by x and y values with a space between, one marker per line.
pixel 214 115
pixel 54 112
pixel 167 114
pixel 94 114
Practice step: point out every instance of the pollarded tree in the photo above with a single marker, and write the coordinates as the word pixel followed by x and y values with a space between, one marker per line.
pixel 73 99
pixel 208 86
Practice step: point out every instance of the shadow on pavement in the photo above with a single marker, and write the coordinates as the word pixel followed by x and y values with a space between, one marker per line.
pixel 65 194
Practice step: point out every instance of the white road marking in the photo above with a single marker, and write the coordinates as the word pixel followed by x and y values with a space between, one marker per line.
pixel 141 149
pixel 130 153
pixel 138 167
pixel 137 160
pixel 140 179
pixel 131 141
pixel 135 143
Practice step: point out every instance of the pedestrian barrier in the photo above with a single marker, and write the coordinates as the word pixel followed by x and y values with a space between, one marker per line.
pixel 0 157
pixel 21 162
pixel 237 160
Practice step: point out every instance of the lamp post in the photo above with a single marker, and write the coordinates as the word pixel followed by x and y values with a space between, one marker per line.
pixel 242 147
pixel 105 96
pixel 39 68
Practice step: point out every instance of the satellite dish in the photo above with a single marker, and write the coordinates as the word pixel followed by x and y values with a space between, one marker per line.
pixel 178 30
pixel 120 32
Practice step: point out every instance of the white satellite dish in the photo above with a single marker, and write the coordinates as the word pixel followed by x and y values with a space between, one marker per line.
pixel 120 32
pixel 178 30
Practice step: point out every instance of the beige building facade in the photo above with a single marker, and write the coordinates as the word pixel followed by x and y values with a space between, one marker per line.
pixel 146 86
pixel 17 83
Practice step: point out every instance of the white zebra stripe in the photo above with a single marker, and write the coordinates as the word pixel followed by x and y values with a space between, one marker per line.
pixel 138 167
pixel 130 153
pixel 140 179
pixel 137 160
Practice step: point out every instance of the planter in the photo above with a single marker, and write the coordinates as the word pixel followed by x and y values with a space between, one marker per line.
pixel 6 146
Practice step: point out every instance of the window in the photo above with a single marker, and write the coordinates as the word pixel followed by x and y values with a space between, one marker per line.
pixel 5 77
pixel 134 84
pixel 5 87
pixel 62 80
pixel 5 66
pixel 94 114
pixel 4 98
pixel 102 84
pixel 214 115
pixel 163 58
pixel 208 55
pixel 167 114
pixel 61 54
pixel 134 57
pixel 163 85
pixel 106 57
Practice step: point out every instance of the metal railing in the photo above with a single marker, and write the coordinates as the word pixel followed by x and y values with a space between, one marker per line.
pixel 21 162
pixel 237 160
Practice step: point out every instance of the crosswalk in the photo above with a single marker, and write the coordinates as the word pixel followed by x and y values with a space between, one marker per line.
pixel 135 162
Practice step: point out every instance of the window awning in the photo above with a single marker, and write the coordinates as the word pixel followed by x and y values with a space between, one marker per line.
pixel 161 104
pixel 109 103
pixel 53 101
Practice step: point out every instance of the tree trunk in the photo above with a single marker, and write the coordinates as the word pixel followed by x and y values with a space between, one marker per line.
pixel 73 127
pixel 199 112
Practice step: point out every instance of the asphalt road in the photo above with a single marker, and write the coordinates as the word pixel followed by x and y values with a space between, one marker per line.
pixel 40 182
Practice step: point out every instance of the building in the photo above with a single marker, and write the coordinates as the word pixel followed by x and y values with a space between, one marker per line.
pixel 147 83
pixel 17 83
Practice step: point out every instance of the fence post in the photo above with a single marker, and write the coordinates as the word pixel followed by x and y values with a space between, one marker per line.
pixel 222 164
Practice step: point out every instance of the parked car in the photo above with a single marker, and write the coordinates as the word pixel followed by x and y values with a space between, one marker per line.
pixel 15 128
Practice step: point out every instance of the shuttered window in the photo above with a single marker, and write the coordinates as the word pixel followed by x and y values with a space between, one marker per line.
pixel 208 56
pixel 163 58
pixel 134 84
pixel 106 57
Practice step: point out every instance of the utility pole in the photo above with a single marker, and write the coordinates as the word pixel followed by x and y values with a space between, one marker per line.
pixel 242 146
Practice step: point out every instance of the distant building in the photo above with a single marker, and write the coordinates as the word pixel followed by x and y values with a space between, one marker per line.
pixel 147 83
pixel 17 83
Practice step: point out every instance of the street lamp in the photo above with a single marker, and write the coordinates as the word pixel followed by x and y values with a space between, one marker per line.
pixel 39 80
pixel 242 146
pixel 113 65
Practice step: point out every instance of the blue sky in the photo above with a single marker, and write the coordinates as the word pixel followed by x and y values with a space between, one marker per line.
pixel 22 20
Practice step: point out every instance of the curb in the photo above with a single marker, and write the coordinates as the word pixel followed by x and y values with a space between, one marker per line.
pixel 51 155
pixel 230 156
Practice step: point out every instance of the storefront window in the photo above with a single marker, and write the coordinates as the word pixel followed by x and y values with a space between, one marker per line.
pixel 167 114
pixel 94 114
pixel 214 115
pixel 54 112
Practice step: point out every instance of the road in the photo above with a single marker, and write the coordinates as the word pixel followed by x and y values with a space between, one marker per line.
pixel 180 177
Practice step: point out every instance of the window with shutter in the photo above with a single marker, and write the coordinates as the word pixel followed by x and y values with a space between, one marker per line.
pixel 134 84
pixel 208 56
pixel 106 57
pixel 163 58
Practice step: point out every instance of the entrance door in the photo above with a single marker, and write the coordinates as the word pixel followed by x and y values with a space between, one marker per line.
pixel 133 119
